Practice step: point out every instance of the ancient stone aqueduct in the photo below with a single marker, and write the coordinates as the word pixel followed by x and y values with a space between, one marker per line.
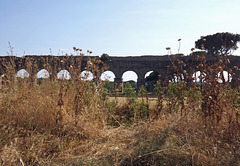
pixel 118 65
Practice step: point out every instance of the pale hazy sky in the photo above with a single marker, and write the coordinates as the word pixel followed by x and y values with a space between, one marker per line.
pixel 116 27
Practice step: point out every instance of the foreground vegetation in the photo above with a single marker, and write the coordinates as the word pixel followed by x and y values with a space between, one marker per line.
pixel 73 122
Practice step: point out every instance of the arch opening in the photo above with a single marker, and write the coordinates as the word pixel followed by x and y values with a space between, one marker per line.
pixel 86 75
pixel 198 77
pixel 224 77
pixel 108 75
pixel 129 76
pixel 43 73
pixel 64 74
pixel 148 74
pixel 176 79
pixel 150 78
pixel 22 73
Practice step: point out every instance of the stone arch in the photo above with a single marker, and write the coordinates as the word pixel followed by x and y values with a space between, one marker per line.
pixel 43 73
pixel 175 78
pixel 2 76
pixel 108 75
pixel 86 75
pixel 226 76
pixel 130 75
pixel 63 74
pixel 148 73
pixel 22 73
pixel 198 77
pixel 148 84
pixel 118 81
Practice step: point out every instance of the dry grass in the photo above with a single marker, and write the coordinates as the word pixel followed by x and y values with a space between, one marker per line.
pixel 69 123
pixel 122 100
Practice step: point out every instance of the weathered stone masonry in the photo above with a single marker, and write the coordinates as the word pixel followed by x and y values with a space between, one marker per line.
pixel 118 65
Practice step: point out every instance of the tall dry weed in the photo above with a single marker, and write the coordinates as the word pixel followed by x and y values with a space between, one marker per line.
pixel 61 121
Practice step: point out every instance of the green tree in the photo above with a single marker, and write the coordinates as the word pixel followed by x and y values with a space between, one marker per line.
pixel 154 76
pixel 104 57
pixel 219 43
pixel 142 92
pixel 132 83
pixel 109 86
pixel 130 92
pixel 160 95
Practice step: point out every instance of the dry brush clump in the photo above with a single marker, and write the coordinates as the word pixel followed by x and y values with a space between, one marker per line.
pixel 61 122
pixel 198 125
pixel 58 110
